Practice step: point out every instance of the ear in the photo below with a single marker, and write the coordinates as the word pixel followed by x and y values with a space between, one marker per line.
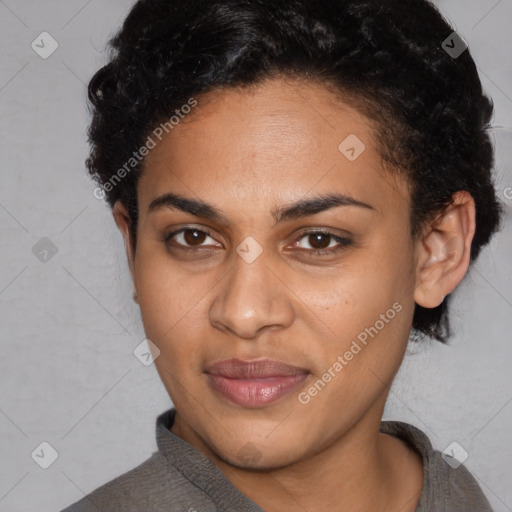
pixel 123 222
pixel 444 251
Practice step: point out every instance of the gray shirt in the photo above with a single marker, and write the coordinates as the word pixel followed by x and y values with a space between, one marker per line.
pixel 178 478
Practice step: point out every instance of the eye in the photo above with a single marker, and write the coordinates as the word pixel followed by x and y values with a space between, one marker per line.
pixel 188 238
pixel 322 243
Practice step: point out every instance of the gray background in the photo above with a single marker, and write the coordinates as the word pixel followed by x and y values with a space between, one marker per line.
pixel 69 327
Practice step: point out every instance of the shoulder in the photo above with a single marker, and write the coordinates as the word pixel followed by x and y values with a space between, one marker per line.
pixel 448 486
pixel 453 486
pixel 154 485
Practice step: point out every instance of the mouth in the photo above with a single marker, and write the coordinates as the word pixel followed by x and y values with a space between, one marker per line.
pixel 254 383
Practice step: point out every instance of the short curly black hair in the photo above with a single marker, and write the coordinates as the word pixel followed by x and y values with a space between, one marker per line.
pixel 427 106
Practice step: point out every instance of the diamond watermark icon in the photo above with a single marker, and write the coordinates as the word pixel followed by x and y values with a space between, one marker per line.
pixel 249 250
pixel 249 453
pixel 454 455
pixel 44 250
pixel 454 45
pixel 44 455
pixel 352 147
pixel 146 352
pixel 44 45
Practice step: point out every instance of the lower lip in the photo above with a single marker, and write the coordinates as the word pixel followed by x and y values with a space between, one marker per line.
pixel 255 392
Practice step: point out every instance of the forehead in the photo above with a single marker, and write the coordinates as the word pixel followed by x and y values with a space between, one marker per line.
pixel 270 143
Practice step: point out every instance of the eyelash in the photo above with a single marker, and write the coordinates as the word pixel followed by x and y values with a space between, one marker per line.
pixel 342 241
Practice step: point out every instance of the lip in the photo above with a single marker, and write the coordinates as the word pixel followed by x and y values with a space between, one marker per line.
pixel 254 383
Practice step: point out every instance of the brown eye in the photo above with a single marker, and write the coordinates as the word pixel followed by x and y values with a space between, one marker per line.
pixel 189 238
pixel 194 236
pixel 319 240
pixel 322 243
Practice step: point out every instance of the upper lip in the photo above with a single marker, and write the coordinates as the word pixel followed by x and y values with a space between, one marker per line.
pixel 259 368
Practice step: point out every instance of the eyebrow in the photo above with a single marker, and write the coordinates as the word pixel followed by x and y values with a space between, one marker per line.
pixel 299 209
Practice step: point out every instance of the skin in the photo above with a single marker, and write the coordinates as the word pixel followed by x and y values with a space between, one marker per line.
pixel 247 151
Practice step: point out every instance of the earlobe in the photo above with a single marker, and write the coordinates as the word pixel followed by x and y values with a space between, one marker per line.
pixel 444 252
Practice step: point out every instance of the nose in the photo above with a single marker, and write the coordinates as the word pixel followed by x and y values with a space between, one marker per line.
pixel 250 299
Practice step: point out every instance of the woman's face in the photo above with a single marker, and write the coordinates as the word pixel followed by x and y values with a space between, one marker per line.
pixel 254 288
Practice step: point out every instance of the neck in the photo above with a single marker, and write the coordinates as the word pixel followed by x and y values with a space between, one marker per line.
pixel 361 470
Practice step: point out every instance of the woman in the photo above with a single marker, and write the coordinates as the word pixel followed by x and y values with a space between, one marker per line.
pixel 300 185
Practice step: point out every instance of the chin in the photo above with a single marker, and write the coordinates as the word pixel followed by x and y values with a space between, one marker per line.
pixel 249 457
pixel 256 451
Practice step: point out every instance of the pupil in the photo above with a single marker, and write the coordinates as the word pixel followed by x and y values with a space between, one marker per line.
pixel 317 239
pixel 198 236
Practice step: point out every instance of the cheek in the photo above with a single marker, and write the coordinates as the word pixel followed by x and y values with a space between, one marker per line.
pixel 368 308
pixel 366 287
pixel 170 297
